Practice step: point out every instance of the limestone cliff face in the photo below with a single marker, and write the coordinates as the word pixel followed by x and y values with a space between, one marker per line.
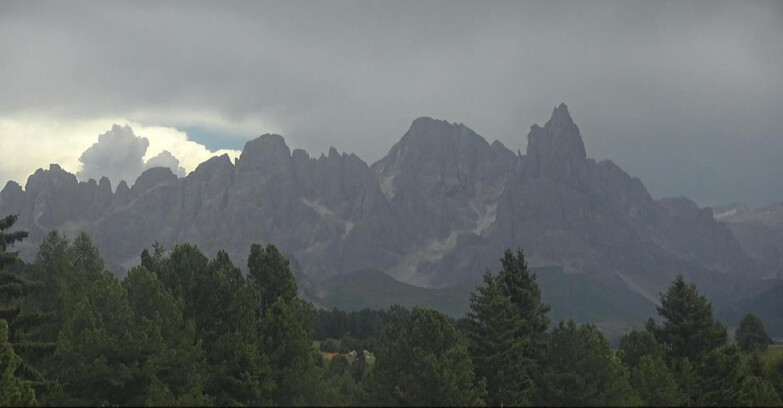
pixel 436 211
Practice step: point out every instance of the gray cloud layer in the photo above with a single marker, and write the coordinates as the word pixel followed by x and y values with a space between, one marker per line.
pixel 685 95
pixel 119 155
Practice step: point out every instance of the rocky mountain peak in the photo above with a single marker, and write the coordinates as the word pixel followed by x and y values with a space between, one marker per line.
pixel 556 150
pixel 151 178
pixel 55 177
pixel 265 153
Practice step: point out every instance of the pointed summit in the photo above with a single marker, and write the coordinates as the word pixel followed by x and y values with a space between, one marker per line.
pixel 560 115
pixel 556 150
pixel 267 153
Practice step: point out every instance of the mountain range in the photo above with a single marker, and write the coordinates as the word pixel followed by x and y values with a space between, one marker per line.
pixel 433 214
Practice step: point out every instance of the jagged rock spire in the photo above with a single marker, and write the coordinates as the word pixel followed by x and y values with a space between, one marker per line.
pixel 556 150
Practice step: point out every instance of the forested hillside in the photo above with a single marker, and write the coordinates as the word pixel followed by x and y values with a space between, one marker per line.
pixel 184 329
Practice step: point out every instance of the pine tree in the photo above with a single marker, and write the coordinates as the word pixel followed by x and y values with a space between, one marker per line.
pixel 506 328
pixel 636 344
pixel 287 341
pixel 751 335
pixel 13 287
pixel 422 361
pixel 581 369
pixel 28 327
pixel 271 275
pixel 14 391
pixel 497 340
pixel 223 305
pixel 654 384
pixel 760 393
pixel 688 329
pixel 720 378
pixel 8 239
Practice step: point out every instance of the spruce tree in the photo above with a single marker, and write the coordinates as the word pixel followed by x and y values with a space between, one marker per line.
pixel 30 332
pixel 581 369
pixel 506 329
pixel 688 329
pixel 751 335
pixel 422 361
pixel 654 383
pixel 271 275
pixel 14 391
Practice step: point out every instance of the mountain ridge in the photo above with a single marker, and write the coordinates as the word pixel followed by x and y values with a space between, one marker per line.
pixel 435 212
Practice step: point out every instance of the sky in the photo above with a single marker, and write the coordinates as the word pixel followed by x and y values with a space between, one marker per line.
pixel 685 95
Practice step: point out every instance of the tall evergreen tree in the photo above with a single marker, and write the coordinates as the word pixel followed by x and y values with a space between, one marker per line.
pixel 720 378
pixel 581 369
pixel 223 304
pixel 506 328
pixel 173 360
pixel 287 340
pixel 421 360
pixel 8 239
pixel 751 335
pixel 654 383
pixel 271 275
pixel 636 344
pixel 30 329
pixel 688 329
pixel 14 391
pixel 13 287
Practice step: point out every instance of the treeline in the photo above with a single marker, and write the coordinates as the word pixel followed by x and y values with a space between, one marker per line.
pixel 183 329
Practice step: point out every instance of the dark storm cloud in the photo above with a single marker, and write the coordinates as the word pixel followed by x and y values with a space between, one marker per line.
pixel 685 95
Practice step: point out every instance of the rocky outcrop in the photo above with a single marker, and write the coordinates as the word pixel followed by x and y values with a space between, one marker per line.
pixel 436 211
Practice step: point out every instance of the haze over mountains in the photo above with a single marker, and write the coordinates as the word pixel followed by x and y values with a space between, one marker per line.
pixel 435 212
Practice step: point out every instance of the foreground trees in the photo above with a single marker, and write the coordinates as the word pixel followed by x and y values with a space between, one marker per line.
pixel 421 360
pixel 506 329
pixel 708 370
pixel 183 329
pixel 751 335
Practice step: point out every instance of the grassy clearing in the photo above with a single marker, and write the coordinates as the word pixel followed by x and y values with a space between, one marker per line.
pixel 772 354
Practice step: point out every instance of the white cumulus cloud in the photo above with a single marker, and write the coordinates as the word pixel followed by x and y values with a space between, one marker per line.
pixel 118 154
pixel 34 141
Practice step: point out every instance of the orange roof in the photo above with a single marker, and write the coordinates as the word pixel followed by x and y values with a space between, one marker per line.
pixel 330 355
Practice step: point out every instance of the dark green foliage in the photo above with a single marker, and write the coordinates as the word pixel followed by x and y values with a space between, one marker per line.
pixel 223 305
pixel 721 377
pixel 271 275
pixel 175 365
pixel 751 335
pixel 337 366
pixel 182 329
pixel 328 346
pixel 636 344
pixel 421 360
pixel 359 368
pixel 361 324
pixel 580 368
pixel 130 347
pixel 8 239
pixel 760 393
pixel 506 330
pixel 688 329
pixel 32 331
pixel 288 343
pixel 14 391
pixel 343 389
pixel 653 383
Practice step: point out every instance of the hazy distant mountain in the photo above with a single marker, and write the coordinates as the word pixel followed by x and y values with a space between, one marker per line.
pixel 435 212
pixel 760 232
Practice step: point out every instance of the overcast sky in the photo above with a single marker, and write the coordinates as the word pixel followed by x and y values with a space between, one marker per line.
pixel 687 96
